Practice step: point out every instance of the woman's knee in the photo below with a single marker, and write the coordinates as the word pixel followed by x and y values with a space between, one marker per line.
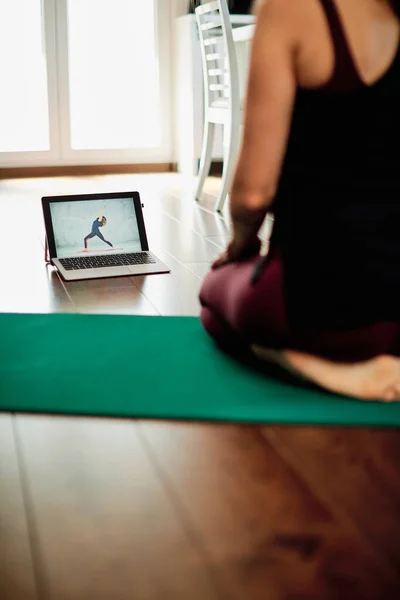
pixel 207 290
pixel 227 292
pixel 224 336
pixel 211 323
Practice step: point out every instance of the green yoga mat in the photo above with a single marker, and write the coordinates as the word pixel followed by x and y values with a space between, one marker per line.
pixel 153 367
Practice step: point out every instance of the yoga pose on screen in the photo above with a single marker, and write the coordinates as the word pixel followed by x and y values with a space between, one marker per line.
pixel 101 221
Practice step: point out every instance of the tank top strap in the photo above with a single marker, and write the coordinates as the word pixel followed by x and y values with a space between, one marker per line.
pixel 345 72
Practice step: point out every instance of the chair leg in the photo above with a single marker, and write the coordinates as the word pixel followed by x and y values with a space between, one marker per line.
pixel 231 150
pixel 206 156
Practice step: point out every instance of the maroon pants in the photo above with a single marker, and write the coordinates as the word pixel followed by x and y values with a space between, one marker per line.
pixel 238 313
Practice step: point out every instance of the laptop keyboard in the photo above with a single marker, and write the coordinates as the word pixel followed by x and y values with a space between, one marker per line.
pixel 113 260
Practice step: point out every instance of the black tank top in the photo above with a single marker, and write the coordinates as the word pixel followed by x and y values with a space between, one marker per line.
pixel 337 209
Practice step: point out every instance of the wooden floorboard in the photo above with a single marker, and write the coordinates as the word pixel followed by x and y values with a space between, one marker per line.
pixel 115 296
pixel 107 527
pixel 167 233
pixel 83 170
pixel 200 269
pixel 219 240
pixel 175 294
pixel 356 471
pixel 266 533
pixel 193 218
pixel 17 573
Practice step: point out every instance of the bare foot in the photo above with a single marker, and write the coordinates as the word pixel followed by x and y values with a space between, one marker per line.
pixel 375 379
pixel 85 250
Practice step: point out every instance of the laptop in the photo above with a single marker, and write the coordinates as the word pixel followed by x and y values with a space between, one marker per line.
pixel 98 235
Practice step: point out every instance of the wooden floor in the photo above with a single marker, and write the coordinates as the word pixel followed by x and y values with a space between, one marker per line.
pixel 134 510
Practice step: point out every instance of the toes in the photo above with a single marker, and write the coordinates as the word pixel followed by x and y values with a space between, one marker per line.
pixel 392 394
pixel 389 395
pixel 396 392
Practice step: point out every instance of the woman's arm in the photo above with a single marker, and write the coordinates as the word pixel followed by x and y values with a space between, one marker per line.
pixel 256 7
pixel 102 212
pixel 269 105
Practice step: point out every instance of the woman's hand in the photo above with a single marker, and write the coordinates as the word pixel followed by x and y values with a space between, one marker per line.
pixel 237 252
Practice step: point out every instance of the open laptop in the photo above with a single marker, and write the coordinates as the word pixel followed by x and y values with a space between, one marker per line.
pixel 98 235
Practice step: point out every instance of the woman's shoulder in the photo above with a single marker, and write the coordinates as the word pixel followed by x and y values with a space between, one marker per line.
pixel 291 19
pixel 284 10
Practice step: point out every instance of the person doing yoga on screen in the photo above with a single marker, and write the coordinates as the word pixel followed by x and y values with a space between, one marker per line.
pixel 321 154
pixel 98 223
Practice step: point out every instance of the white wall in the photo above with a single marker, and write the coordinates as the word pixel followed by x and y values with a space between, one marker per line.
pixel 179 7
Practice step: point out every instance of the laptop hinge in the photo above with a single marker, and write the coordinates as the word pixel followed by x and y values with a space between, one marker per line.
pixel 46 251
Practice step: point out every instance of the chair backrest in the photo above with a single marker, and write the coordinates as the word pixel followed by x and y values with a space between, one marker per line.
pixel 220 67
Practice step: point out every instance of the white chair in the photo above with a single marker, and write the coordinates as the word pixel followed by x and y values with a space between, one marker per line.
pixel 222 102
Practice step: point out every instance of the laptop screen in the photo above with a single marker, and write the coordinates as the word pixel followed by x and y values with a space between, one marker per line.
pixel 99 227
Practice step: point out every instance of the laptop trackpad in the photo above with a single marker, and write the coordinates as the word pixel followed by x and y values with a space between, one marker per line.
pixel 111 271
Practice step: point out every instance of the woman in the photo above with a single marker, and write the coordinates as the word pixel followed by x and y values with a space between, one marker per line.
pixel 101 221
pixel 321 151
